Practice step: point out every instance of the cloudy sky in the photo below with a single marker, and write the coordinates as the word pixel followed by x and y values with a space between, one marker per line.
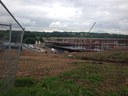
pixel 71 15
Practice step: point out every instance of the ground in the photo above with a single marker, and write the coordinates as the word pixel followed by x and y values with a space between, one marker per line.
pixel 40 65
pixel 72 74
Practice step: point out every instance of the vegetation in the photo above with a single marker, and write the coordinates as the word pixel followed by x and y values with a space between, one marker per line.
pixel 15 35
pixel 40 35
pixel 25 82
pixel 74 34
pixel 29 40
pixel 88 79
pixel 36 35
pixel 1 83
pixel 114 55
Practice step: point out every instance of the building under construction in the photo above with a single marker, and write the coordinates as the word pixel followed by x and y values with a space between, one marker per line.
pixel 86 44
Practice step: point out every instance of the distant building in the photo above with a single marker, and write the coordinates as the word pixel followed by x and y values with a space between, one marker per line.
pixel 87 44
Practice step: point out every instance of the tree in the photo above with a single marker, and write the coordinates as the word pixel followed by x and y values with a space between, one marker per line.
pixel 29 40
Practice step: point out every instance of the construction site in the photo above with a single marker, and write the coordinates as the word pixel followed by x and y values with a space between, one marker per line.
pixel 86 44
pixel 60 66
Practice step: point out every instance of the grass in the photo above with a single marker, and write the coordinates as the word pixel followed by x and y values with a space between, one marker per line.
pixel 52 86
pixel 106 80
pixel 118 55
pixel 110 93
pixel 86 80
pixel 124 92
pixel 94 78
pixel 89 78
pixel 24 82
pixel 1 82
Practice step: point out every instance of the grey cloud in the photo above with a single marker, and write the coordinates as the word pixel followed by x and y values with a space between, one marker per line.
pixel 75 15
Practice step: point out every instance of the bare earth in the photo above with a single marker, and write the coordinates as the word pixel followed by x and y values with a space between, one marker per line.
pixel 40 65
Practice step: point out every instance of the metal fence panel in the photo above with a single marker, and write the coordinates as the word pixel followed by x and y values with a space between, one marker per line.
pixel 11 35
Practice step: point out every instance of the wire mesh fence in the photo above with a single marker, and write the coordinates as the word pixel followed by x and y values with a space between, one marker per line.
pixel 11 34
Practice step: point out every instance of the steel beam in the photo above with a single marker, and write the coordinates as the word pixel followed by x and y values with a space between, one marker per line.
pixel 4 25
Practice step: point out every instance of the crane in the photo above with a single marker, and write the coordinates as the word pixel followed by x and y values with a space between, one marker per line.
pixel 91 27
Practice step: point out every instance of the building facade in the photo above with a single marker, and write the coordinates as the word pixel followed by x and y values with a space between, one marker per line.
pixel 86 44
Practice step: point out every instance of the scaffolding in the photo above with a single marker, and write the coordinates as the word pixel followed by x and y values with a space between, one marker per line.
pixel 11 36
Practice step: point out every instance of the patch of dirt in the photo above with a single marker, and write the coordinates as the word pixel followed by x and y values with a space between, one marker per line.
pixel 39 65
pixel 8 61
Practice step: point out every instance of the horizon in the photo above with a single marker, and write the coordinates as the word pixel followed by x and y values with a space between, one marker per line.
pixel 78 32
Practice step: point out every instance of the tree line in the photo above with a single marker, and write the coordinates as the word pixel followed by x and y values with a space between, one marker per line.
pixel 31 37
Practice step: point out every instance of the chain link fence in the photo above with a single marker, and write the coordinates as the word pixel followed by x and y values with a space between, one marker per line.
pixel 11 34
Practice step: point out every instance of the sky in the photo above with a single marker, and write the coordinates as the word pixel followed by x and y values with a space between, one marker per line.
pixel 111 16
